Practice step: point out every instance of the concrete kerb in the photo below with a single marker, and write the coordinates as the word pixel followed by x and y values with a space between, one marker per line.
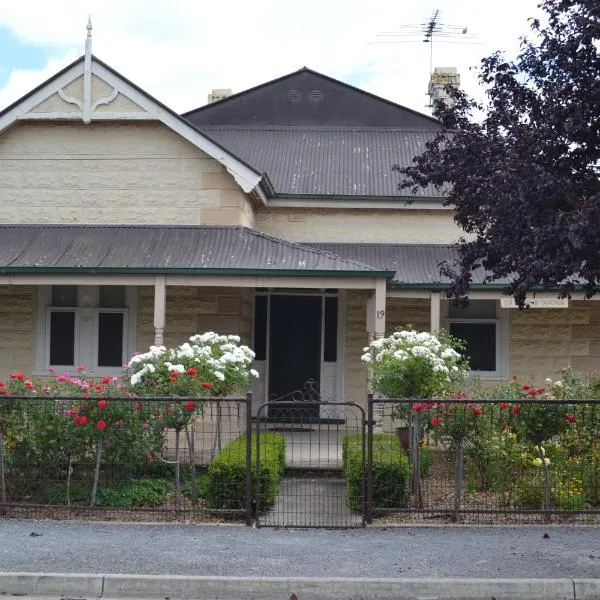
pixel 57 585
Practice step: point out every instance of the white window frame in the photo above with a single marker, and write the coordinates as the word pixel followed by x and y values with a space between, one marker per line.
pixel 86 330
pixel 502 337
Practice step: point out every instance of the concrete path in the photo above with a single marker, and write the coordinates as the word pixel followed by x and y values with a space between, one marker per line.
pixel 311 502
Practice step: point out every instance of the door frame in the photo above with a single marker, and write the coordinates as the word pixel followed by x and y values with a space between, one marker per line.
pixel 340 294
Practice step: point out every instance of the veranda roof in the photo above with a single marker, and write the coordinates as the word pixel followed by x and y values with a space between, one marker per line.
pixel 206 250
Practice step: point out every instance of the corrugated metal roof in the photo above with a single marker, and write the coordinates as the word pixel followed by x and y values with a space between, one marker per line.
pixel 329 161
pixel 412 263
pixel 45 248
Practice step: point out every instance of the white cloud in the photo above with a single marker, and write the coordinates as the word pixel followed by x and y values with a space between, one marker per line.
pixel 179 50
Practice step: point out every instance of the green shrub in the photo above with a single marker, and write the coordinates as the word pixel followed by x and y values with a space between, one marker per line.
pixel 391 471
pixel 226 486
pixel 146 492
pixel 59 494
pixel 142 493
pixel 202 480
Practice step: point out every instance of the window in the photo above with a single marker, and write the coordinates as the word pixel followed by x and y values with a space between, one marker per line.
pixel 86 325
pixel 483 328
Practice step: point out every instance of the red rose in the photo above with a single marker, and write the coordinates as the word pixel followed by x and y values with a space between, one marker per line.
pixel 532 393
pixel 515 409
pixel 173 374
pixel 74 411
pixel 29 384
pixel 138 407
pixel 83 420
pixel 435 421
pixel 18 376
pixel 503 405
pixel 2 384
pixel 3 390
pixel 106 380
pixel 98 387
pixel 76 420
pixel 525 387
pixel 100 425
pixel 207 385
pixel 569 418
pixel 477 411
pixel 192 371
pixel 101 403
pixel 189 406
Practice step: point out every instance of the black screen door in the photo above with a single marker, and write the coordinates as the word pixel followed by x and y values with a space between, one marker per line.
pixel 295 349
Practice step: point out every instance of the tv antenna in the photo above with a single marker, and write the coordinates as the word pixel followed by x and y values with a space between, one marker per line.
pixel 428 31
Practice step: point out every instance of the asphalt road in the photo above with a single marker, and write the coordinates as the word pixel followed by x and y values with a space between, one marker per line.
pixel 484 552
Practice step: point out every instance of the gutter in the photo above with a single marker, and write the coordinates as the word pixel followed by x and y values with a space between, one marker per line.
pixel 193 271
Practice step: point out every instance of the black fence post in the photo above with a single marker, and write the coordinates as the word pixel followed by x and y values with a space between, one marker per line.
pixel 249 503
pixel 369 490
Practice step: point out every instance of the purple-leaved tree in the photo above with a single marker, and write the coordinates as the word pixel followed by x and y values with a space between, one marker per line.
pixel 524 179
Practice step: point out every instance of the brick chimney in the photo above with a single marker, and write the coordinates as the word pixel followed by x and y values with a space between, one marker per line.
pixel 440 78
pixel 218 94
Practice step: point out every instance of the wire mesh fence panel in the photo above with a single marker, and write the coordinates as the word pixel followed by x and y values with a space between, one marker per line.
pixel 321 478
pixel 488 461
pixel 123 458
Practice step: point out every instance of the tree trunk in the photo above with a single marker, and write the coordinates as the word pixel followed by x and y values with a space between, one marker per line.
pixel 547 492
pixel 2 481
pixel 459 456
pixel 177 483
pixel 189 432
pixel 415 458
pixel 99 447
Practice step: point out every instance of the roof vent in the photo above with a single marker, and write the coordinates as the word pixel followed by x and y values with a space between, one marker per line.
pixel 293 95
pixel 316 95
pixel 218 94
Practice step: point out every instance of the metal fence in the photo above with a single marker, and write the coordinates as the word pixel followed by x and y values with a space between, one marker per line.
pixel 322 483
pixel 123 458
pixel 488 461
pixel 316 464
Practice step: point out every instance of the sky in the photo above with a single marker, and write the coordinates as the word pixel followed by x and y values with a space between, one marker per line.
pixel 179 50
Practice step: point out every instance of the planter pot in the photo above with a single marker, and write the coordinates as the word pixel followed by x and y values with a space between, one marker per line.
pixel 403 433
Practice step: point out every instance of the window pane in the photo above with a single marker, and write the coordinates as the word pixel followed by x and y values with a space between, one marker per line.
pixel 62 338
pixel 112 296
pixel 64 295
pixel 480 343
pixel 260 327
pixel 330 341
pixel 477 309
pixel 110 339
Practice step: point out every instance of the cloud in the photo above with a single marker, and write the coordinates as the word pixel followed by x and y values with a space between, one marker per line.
pixel 179 50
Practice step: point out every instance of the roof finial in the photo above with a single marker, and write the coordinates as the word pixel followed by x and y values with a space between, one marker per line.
pixel 87 74
pixel 88 40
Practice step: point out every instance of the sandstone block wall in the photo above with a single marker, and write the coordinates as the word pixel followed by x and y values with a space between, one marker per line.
pixel 544 341
pixel 191 310
pixel 114 173
pixel 18 329
pixel 398 226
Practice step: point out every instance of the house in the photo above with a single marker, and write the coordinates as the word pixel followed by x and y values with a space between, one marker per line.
pixel 272 213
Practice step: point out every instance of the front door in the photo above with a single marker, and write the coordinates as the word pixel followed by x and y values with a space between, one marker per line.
pixel 295 348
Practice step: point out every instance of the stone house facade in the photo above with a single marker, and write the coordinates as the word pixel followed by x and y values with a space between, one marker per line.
pixel 273 213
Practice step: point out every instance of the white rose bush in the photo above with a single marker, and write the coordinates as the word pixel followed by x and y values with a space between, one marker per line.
pixel 209 364
pixel 413 364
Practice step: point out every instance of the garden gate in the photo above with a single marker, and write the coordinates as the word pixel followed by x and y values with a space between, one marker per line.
pixel 315 490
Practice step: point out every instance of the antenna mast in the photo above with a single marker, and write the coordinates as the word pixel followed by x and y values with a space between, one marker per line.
pixel 427 32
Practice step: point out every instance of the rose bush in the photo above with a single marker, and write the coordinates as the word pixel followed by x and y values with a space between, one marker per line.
pixel 411 364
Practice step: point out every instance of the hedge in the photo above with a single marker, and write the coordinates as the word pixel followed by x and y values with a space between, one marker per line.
pixel 391 471
pixel 226 486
